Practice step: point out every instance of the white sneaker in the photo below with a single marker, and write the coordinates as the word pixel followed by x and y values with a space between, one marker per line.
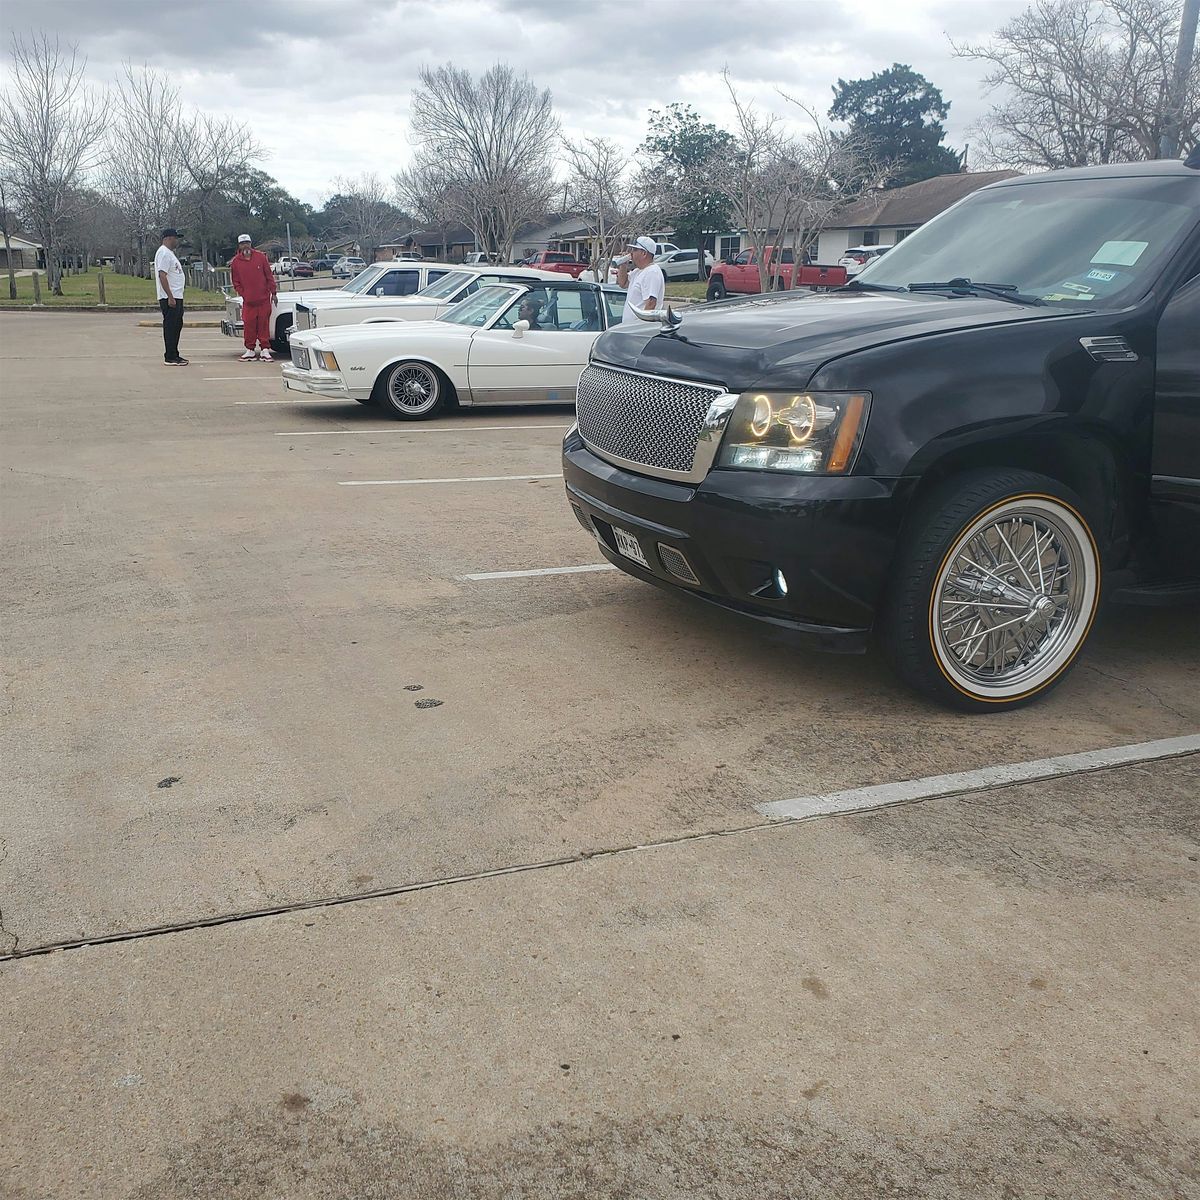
pixel 250 354
pixel 265 355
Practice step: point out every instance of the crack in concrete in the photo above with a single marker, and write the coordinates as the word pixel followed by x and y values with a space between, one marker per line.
pixel 579 856
pixel 1145 687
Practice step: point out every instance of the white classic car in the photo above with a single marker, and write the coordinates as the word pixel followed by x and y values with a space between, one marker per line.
pixel 379 279
pixel 335 308
pixel 509 343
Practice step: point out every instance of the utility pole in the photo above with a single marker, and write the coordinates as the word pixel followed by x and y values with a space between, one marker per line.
pixel 288 226
pixel 1168 146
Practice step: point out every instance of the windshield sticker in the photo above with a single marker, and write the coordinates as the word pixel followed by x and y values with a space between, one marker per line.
pixel 1119 254
pixel 1103 276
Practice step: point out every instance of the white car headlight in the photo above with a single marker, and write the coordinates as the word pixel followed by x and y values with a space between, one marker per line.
pixel 808 433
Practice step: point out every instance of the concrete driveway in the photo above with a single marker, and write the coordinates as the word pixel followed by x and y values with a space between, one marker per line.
pixel 358 941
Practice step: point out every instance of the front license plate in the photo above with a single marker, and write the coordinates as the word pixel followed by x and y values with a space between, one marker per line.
pixel 628 546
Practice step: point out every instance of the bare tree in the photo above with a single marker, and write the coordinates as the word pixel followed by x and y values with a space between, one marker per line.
pixel 214 152
pixel 1082 82
pixel 494 139
pixel 51 133
pixel 786 186
pixel 613 199
pixel 432 196
pixel 144 175
pixel 364 211
pixel 6 220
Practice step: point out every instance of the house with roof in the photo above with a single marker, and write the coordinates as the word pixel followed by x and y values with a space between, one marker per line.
pixel 25 255
pixel 883 218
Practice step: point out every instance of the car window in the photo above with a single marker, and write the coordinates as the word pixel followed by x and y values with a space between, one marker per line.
pixel 615 303
pixel 432 275
pixel 744 258
pixel 553 310
pixel 447 285
pixel 787 257
pixel 362 282
pixel 1070 242
pixel 478 310
pixel 397 283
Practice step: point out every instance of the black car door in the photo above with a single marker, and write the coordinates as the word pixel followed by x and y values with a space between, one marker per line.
pixel 1175 486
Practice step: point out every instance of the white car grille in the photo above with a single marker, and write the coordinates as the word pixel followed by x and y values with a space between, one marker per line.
pixel 303 317
pixel 643 420
pixel 233 310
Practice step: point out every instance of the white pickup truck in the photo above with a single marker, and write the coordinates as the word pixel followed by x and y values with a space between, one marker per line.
pixel 284 265
pixel 323 309
pixel 380 280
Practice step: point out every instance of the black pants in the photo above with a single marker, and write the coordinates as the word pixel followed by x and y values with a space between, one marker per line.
pixel 172 326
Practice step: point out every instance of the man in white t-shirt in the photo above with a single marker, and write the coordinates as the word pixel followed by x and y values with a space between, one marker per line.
pixel 168 282
pixel 643 278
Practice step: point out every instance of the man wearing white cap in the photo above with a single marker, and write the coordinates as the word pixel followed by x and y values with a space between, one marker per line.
pixel 255 283
pixel 644 278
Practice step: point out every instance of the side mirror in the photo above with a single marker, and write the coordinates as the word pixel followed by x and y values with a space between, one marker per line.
pixel 379 291
pixel 520 328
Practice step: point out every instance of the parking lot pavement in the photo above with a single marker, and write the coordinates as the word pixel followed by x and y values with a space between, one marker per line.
pixel 221 649
pixel 979 997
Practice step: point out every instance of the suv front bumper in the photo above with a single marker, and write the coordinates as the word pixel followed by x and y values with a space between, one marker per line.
pixel 830 538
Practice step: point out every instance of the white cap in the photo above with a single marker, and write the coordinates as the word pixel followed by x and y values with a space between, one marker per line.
pixel 243 237
pixel 644 243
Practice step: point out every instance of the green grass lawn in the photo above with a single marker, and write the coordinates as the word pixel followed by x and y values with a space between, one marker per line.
pixel 686 291
pixel 120 291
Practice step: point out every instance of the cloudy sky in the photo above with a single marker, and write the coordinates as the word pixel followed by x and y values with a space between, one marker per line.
pixel 326 84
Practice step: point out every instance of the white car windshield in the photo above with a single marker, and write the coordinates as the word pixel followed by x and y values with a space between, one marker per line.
pixel 363 280
pixel 479 309
pixel 445 287
pixel 1070 242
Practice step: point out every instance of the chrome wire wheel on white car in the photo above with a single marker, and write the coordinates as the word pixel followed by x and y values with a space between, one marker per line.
pixel 413 391
pixel 998 587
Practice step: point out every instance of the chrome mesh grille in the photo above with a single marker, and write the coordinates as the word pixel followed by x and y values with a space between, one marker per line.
pixel 642 418
pixel 233 310
pixel 303 317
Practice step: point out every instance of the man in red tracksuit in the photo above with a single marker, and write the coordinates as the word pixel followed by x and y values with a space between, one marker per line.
pixel 255 283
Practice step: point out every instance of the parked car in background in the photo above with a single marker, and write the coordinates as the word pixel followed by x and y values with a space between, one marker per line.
pixel 679 265
pixel 555 260
pixel 858 257
pixel 302 270
pixel 509 343
pixel 379 279
pixel 482 256
pixel 284 265
pixel 325 263
pixel 348 266
pixel 335 308
pixel 961 469
pixel 740 276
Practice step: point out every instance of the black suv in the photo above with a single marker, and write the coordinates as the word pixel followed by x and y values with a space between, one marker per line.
pixel 955 451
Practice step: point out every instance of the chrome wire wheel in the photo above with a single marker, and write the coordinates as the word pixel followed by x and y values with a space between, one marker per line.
pixel 1014 599
pixel 413 389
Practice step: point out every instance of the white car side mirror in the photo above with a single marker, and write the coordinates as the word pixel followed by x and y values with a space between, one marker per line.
pixel 519 329
pixel 379 291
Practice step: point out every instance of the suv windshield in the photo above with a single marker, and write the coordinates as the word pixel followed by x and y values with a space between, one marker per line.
pixel 1093 242
pixel 447 285
pixel 478 309
pixel 363 280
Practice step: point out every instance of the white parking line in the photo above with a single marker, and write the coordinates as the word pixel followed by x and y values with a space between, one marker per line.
pixel 884 794
pixel 234 378
pixel 464 479
pixel 406 429
pixel 541 571
pixel 331 400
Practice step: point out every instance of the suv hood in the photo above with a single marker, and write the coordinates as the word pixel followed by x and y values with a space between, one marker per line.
pixel 736 342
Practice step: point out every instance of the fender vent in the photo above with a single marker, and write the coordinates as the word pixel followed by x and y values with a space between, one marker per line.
pixel 1108 349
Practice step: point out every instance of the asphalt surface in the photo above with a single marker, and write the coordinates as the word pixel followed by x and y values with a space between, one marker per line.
pixel 217 656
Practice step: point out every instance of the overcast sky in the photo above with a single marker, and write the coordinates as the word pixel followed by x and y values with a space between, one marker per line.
pixel 326 84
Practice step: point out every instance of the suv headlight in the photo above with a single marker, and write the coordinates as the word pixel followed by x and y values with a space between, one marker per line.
pixel 808 433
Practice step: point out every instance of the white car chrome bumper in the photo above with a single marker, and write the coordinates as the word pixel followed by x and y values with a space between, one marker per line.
pixel 319 383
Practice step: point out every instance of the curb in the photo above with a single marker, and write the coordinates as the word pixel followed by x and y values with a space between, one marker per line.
pixel 91 308
pixel 186 324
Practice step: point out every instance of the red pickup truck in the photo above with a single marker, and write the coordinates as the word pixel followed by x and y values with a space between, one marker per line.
pixel 555 260
pixel 740 275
